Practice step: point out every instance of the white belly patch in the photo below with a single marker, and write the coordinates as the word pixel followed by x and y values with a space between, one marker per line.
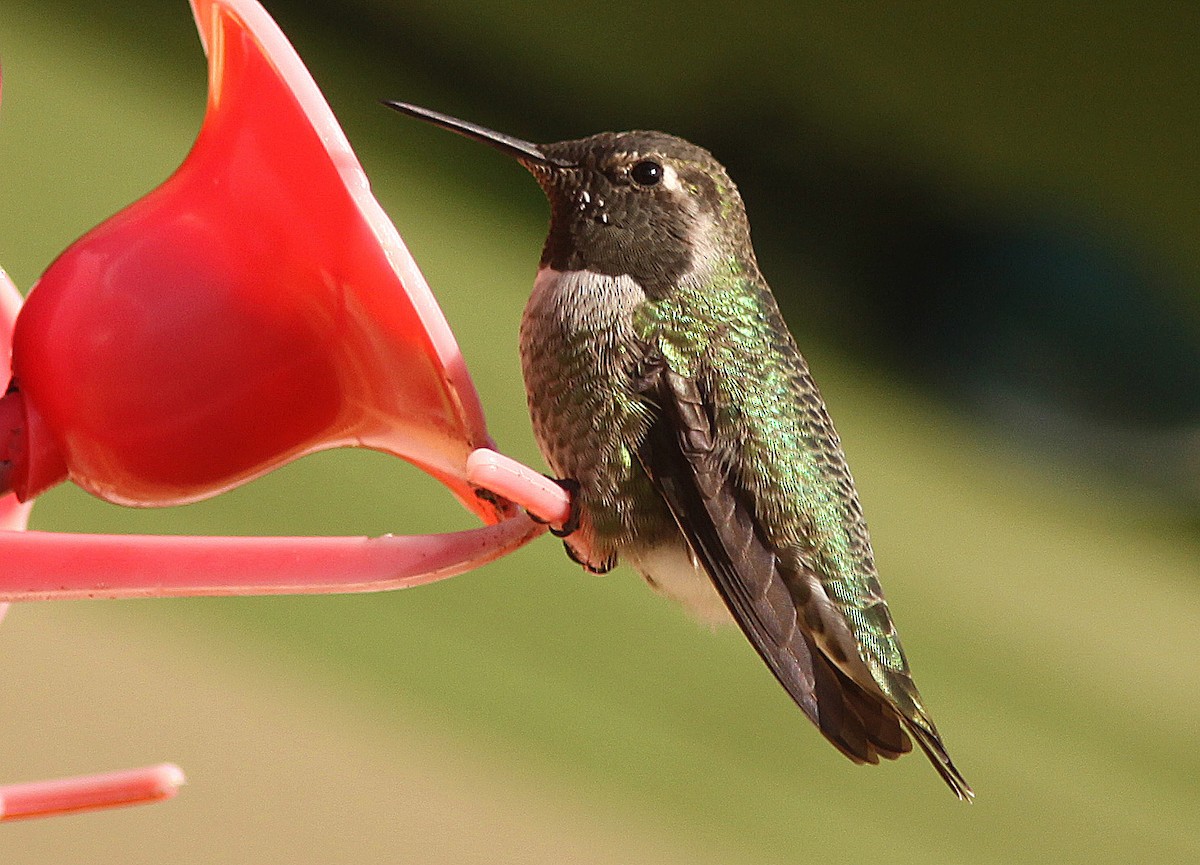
pixel 674 573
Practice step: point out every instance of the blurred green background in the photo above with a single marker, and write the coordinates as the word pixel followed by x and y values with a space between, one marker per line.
pixel 1027 464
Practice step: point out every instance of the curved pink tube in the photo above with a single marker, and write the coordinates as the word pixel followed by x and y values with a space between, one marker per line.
pixel 55 566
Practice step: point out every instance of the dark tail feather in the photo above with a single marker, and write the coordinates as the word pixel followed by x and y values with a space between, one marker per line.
pixel 856 722
pixel 865 729
pixel 932 745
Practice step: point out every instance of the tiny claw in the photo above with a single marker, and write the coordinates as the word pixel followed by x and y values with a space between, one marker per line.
pixel 571 524
pixel 603 568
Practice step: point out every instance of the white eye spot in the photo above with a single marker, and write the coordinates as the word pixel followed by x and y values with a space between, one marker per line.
pixel 670 179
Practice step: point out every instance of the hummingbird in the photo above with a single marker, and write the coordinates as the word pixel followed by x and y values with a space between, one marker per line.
pixel 669 397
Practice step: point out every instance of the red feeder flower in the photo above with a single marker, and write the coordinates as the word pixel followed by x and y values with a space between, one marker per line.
pixel 256 307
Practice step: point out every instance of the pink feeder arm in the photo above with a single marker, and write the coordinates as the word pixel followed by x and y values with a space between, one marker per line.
pixel 256 307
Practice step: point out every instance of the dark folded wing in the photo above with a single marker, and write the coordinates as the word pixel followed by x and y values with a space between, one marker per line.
pixel 681 457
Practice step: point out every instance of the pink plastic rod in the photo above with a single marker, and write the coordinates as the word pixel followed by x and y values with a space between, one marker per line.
pixel 90 792
pixel 518 483
pixel 53 566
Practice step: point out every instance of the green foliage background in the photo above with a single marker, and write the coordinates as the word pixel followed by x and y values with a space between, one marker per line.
pixel 1051 618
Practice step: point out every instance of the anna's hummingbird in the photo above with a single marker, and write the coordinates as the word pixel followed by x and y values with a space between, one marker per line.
pixel 666 390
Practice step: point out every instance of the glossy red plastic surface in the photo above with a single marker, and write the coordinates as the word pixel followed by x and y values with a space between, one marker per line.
pixel 256 307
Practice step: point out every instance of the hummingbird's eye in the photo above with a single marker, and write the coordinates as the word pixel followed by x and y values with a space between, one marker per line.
pixel 646 173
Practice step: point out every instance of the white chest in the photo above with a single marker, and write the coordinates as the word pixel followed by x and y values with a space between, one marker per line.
pixel 580 305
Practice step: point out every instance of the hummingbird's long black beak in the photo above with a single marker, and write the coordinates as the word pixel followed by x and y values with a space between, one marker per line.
pixel 525 151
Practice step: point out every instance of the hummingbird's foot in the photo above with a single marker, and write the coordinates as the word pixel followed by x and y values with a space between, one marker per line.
pixel 577 551
pixel 571 523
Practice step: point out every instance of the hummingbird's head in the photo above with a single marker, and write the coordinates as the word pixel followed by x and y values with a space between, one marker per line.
pixel 644 204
